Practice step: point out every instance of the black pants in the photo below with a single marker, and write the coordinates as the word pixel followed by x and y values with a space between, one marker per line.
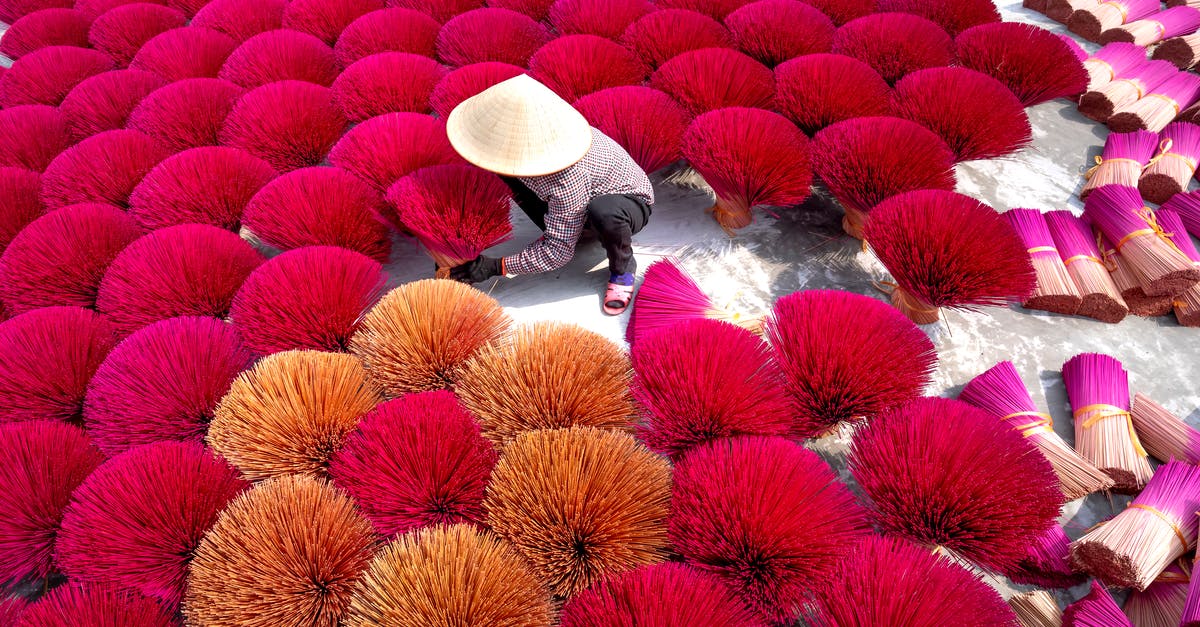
pixel 614 217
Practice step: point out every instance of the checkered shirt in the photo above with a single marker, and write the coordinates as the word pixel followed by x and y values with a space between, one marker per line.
pixel 605 169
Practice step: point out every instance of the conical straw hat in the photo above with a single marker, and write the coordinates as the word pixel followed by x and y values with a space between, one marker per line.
pixel 519 128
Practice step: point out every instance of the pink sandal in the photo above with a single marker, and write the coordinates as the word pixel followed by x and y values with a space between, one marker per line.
pixel 616 299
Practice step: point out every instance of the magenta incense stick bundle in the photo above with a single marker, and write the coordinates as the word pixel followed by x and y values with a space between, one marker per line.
pixel 1047 562
pixel 1061 10
pixel 1188 207
pixel 1098 388
pixel 1076 49
pixel 1170 170
pixel 1161 604
pixel 1187 304
pixel 1157 528
pixel 1089 23
pixel 1000 392
pixel 1183 52
pixel 1055 291
pixel 1191 607
pixel 1161 268
pixel 1155 110
pixel 1122 160
pixel 1151 30
pixel 1101 103
pixel 1128 286
pixel 1101 299
pixel 1097 609
pixel 1036 609
pixel 1112 61
pixel 1164 435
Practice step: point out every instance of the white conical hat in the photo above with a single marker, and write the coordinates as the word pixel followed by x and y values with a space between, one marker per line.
pixel 519 128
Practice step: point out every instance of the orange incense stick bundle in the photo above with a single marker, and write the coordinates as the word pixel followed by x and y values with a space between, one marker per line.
pixel 1161 268
pixel 1100 297
pixel 1055 291
pixel 1098 388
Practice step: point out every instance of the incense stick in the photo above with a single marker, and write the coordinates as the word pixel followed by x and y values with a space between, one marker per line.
pixel 1055 291
pixel 1036 609
pixel 1164 435
pixel 1098 388
pixel 1076 244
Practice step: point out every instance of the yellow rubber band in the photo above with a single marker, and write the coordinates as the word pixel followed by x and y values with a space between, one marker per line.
pixel 1103 411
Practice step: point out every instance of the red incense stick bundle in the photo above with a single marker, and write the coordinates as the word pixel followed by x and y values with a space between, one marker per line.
pixel 1036 609
pixel 1098 388
pixel 894 44
pixel 1034 63
pixel 817 90
pixel 1000 392
pixel 1159 527
pixel 1127 283
pixel 1160 266
pixel 1089 23
pixel 1161 604
pixel 1170 170
pixel 1151 30
pixel 647 123
pixel 1188 207
pixel 661 35
pixel 1055 291
pixel 1187 304
pixel 1112 61
pixel 1164 435
pixel 1155 110
pixel 1183 51
pixel 1097 609
pixel 1099 104
pixel 1047 562
pixel 1077 247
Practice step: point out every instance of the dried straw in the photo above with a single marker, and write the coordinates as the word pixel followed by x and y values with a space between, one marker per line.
pixel 1098 388
pixel 419 336
pixel 581 504
pixel 290 413
pixel 1164 435
pixel 1036 609
pixel 550 375
pixel 1086 267
pixel 455 575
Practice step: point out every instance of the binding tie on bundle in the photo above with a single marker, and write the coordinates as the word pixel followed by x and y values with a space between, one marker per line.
pixel 1162 32
pixel 1147 216
pixel 1111 72
pixel 1166 519
pixel 1101 161
pixel 1046 422
pixel 1164 148
pixel 1110 255
pixel 1120 7
pixel 1042 249
pixel 1103 411
pixel 912 302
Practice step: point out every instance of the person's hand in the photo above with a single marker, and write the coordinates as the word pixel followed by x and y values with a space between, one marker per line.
pixel 477 270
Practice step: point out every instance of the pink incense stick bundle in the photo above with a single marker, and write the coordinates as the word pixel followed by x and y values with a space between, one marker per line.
pixel 1125 89
pixel 1097 609
pixel 1076 245
pixel 1127 283
pixel 1098 388
pixel 1187 304
pixel 1047 562
pixel 1000 392
pixel 1055 291
pixel 1183 51
pixel 669 296
pixel 1188 207
pixel 1161 604
pixel 1036 608
pixel 1170 170
pixel 1151 30
pixel 1157 528
pixel 1089 23
pixel 1080 53
pixel 1061 10
pixel 1161 268
pixel 1191 608
pixel 1112 61
pixel 1155 110
pixel 1164 435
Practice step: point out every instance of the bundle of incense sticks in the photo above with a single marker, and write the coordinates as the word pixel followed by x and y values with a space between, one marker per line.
pixel 1090 22
pixel 1077 246
pixel 1097 609
pixel 1188 207
pixel 1155 110
pixel 1055 291
pixel 1061 10
pixel 1121 162
pixel 1165 436
pixel 1182 52
pixel 1036 609
pixel 1160 267
pixel 1170 170
pixel 1127 284
pixel 1000 392
pixel 1098 388
pixel 1187 304
pixel 1112 61
pixel 1157 528
pixel 1047 562
pixel 1161 604
pixel 1191 608
pixel 1099 104
pixel 1151 30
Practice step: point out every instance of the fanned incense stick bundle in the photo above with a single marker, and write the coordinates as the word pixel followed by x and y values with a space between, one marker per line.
pixel 1055 291
pixel 1061 10
pixel 95 604
pixel 1188 207
pixel 1112 61
pixel 1036 609
pixel 1159 527
pixel 817 90
pixel 387 30
pixel 577 65
pixel 387 82
pixel 1161 268
pixel 1183 51
pixel 239 19
pixel 661 35
pixel 1161 603
pixel 53 26
pixel 1034 63
pixel 1099 104
pixel 1047 562
pixel 1098 388
pixel 489 35
pixel 1127 283
pixel 661 594
pixel 1156 109
pixel 1186 304
pixel 187 113
pixel 103 102
pixel 1150 30
pixel 1097 609
pixel 894 44
pixel 1170 170
pixel 1000 392
pixel 603 18
pixel 668 295
pixel 647 123
pixel 1089 23
pixel 1164 435
pixel 33 136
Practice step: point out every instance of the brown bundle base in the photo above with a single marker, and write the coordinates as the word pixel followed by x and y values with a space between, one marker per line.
pixel 1177 52
pixel 1173 283
pixel 1085 24
pixel 1055 303
pixel 1145 306
pixel 1036 5
pixel 1159 188
pixel 1124 481
pixel 1059 10
pixel 1102 307
pixel 1115 35
pixel 1096 106
pixel 1187 307
pixel 1098 560
pixel 1125 123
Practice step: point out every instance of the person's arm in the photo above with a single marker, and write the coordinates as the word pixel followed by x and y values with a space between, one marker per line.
pixel 564 221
